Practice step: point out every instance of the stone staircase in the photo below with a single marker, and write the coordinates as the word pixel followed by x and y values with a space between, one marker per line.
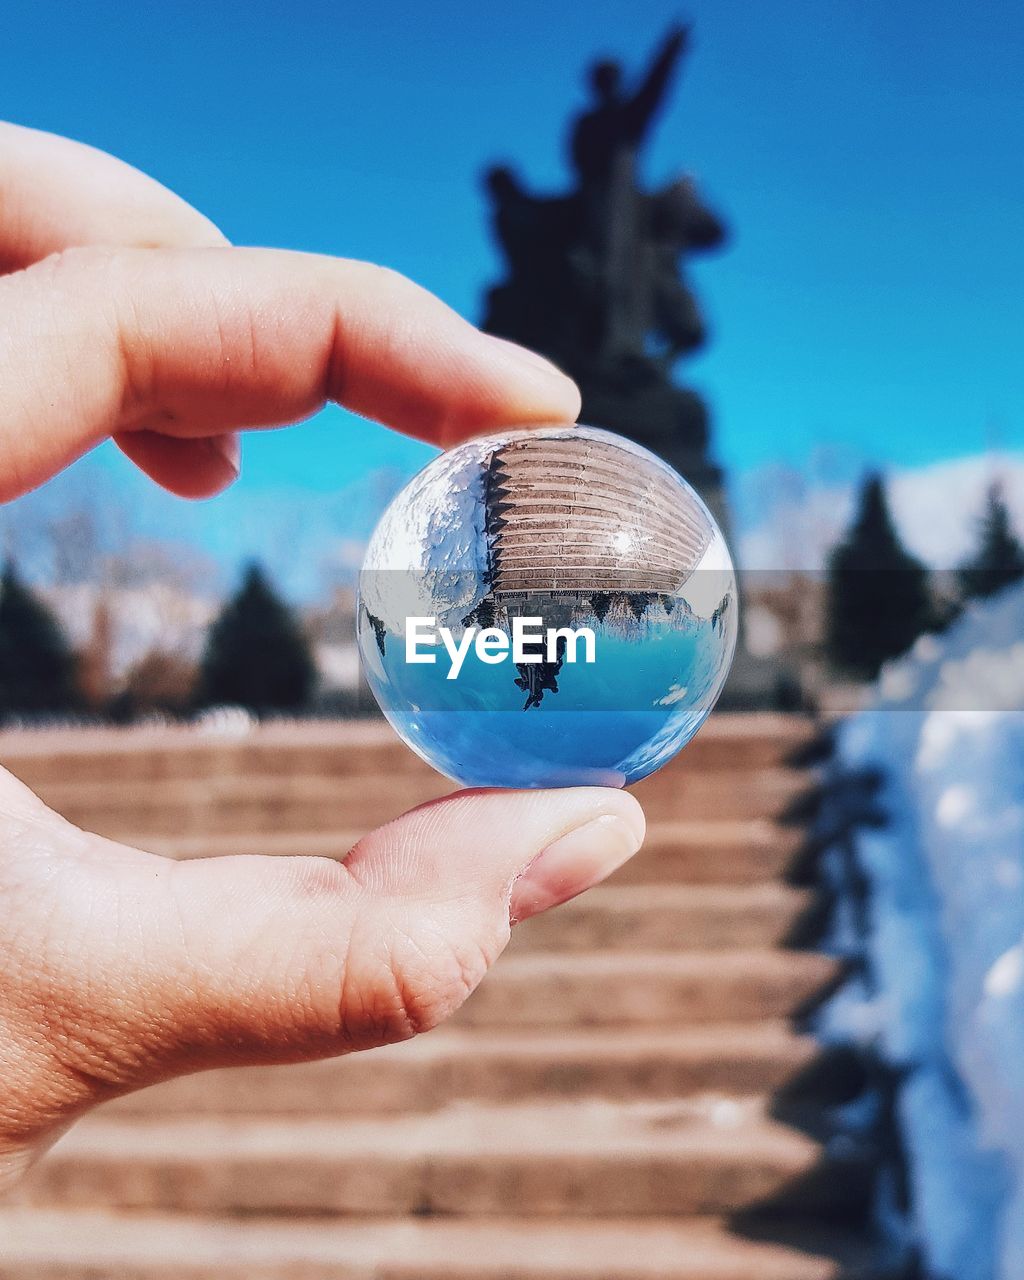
pixel 627 1097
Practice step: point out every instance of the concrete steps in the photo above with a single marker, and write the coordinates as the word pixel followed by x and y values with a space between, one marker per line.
pixel 648 989
pixel 667 917
pixel 590 1159
pixel 607 1106
pixel 82 1245
pixel 722 852
pixel 500 1066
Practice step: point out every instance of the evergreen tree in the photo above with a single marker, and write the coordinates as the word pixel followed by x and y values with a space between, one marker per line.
pixel 256 654
pixel 999 559
pixel 878 597
pixel 37 665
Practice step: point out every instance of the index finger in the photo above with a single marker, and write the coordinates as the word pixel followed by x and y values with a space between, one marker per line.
pixel 191 343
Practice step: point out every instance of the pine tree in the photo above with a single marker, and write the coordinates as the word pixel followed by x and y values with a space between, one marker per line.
pixel 878 598
pixel 256 654
pixel 37 665
pixel 999 559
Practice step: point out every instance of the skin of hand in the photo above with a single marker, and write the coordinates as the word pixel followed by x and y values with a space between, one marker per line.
pixel 125 313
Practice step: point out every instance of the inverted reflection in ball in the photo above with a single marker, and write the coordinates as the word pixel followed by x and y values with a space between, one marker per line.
pixel 510 561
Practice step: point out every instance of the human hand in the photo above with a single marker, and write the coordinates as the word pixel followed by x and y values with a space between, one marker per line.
pixel 124 313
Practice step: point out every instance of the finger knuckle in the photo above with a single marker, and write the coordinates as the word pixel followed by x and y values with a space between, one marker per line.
pixel 430 994
pixel 72 263
pixel 387 279
pixel 417 984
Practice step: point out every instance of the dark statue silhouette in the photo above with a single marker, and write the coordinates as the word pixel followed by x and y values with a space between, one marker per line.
pixel 537 678
pixel 594 277
pixel 617 123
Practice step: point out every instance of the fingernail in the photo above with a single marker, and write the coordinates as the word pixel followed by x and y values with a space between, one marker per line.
pixel 527 359
pixel 575 862
pixel 525 356
pixel 229 449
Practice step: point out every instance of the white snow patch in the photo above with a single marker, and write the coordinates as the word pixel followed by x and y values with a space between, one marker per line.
pixel 946 930
pixel 1005 976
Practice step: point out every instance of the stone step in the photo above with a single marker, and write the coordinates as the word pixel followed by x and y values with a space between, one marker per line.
pixel 333 749
pixel 92 1245
pixel 722 851
pixel 765 794
pixel 698 1156
pixel 649 989
pixel 681 851
pixel 667 918
pixel 501 1067
pixel 237 806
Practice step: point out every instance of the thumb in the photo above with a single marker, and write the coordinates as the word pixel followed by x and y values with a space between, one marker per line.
pixel 260 959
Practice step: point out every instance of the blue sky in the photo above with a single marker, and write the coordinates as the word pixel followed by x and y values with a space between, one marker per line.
pixel 867 156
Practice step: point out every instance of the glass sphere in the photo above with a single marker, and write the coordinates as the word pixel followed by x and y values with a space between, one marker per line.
pixel 547 607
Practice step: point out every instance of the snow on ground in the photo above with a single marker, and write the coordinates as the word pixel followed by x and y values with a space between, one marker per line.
pixel 945 993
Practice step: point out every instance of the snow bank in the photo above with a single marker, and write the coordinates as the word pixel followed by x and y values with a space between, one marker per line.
pixel 944 997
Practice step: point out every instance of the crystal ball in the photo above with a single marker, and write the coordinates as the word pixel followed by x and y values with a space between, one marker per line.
pixel 547 607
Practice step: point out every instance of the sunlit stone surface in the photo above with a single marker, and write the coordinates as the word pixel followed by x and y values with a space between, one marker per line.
pixel 578 529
